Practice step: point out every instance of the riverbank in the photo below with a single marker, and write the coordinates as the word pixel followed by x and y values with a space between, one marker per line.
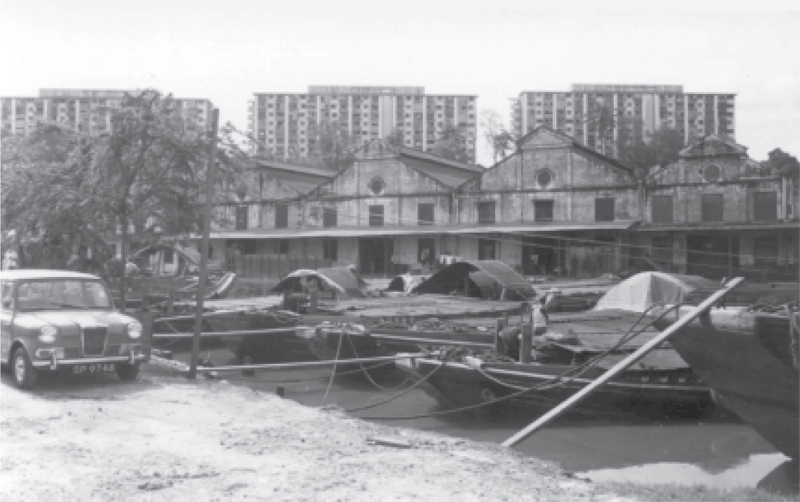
pixel 163 438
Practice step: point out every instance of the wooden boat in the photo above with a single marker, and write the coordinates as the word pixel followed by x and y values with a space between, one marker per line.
pixel 660 386
pixel 750 360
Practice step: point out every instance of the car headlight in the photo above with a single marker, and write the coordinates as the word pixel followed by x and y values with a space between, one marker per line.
pixel 134 329
pixel 48 334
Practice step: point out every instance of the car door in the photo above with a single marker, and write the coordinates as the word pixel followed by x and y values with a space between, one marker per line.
pixel 6 319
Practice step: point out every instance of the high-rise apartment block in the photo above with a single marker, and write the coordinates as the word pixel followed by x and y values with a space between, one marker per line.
pixel 80 109
pixel 287 124
pixel 648 108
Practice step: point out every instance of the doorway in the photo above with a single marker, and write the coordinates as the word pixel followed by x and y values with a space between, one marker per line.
pixel 374 256
pixel 540 256
pixel 711 256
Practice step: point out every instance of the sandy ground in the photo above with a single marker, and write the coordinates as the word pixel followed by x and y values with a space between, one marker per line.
pixel 163 438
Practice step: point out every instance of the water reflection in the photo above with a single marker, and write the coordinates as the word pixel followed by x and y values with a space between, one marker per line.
pixel 717 451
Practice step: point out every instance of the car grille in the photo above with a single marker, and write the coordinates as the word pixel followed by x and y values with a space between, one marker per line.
pixel 94 341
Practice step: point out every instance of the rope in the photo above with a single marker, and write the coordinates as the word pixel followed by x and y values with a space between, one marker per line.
pixel 514 394
pixel 405 391
pixel 333 369
pixel 366 373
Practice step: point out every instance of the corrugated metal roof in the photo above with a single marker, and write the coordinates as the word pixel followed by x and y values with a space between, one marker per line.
pixel 444 173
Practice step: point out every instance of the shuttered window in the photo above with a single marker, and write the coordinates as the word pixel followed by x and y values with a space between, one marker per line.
pixel 281 216
pixel 376 216
pixel 330 217
pixel 543 210
pixel 241 217
pixel 424 214
pixel 486 212
pixel 662 209
pixel 766 206
pixel 604 209
pixel 711 207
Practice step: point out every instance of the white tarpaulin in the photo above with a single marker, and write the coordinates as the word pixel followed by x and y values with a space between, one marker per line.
pixel 640 292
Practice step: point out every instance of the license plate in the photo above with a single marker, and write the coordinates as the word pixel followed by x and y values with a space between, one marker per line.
pixel 89 369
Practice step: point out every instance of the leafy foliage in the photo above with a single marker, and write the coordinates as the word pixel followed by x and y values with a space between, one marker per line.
pixel 65 190
pixel 783 164
pixel 451 143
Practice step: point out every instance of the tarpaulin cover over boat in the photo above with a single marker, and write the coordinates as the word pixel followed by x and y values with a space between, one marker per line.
pixel 343 280
pixel 640 292
pixel 487 279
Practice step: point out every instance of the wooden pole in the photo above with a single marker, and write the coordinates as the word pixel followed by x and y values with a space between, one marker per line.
pixel 201 289
pixel 622 365
pixel 500 324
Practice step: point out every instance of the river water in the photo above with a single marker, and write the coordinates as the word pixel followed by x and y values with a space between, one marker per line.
pixel 718 451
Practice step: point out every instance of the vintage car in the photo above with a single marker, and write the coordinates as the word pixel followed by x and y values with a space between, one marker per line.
pixel 54 320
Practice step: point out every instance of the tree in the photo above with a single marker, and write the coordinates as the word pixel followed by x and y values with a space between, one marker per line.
pixel 782 163
pixel 331 147
pixel 145 175
pixel 451 143
pixel 499 141
pixel 395 138
pixel 659 148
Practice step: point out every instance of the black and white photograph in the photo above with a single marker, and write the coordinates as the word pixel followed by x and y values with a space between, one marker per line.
pixel 358 251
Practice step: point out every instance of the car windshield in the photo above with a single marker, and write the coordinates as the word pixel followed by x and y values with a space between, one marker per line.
pixel 57 294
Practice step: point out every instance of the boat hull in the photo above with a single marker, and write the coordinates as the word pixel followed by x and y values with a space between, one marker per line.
pixel 458 385
pixel 746 360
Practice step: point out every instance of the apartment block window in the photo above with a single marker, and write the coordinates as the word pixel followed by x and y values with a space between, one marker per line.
pixel 765 206
pixel 330 249
pixel 604 209
pixel 486 212
pixel 486 249
pixel 425 213
pixel 543 210
pixel 711 207
pixel 241 217
pixel 281 216
pixel 662 209
pixel 376 216
pixel 330 217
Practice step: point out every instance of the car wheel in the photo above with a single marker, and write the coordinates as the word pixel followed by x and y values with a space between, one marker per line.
pixel 25 374
pixel 128 371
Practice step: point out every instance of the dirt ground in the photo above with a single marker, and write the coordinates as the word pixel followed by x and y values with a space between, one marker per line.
pixel 165 438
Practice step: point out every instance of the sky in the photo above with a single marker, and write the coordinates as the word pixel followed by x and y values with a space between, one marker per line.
pixel 225 50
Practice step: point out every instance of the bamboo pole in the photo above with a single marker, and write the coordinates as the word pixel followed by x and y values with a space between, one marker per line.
pixel 201 289
pixel 622 365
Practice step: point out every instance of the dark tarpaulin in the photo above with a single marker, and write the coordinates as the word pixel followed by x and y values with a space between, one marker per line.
pixel 487 278
pixel 343 279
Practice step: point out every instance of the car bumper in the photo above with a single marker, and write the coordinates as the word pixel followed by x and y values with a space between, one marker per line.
pixel 53 363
